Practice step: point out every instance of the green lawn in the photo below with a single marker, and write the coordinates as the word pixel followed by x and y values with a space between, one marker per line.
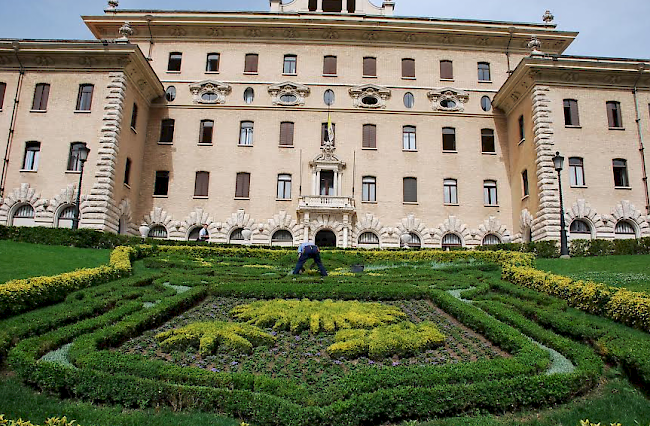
pixel 632 272
pixel 23 260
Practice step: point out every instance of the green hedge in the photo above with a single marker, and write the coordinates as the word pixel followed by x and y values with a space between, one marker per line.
pixel 577 248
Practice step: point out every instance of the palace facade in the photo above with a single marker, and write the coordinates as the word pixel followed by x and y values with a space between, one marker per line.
pixel 331 120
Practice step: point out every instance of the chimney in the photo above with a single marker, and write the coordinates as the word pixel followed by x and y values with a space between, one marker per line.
pixel 276 6
pixel 388 7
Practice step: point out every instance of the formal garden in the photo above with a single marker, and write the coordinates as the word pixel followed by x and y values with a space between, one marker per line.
pixel 168 334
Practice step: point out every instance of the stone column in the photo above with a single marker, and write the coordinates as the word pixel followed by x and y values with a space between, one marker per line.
pixel 345 6
pixel 319 5
pixel 335 184
pixel 339 184
pixel 305 224
pixel 546 225
pixel 346 225
pixel 314 183
pixel 99 210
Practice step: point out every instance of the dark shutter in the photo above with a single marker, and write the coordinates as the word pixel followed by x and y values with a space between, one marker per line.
pixel 410 190
pixel 161 185
pixel 201 184
pixel 370 67
pixel 3 88
pixel 41 95
pixel 408 68
pixel 127 171
pixel 243 185
pixel 614 114
pixel 369 136
pixel 329 65
pixel 446 70
pixel 286 133
pixel 251 63
pixel 167 130
pixel 207 127
pixel 487 140
pixel 448 139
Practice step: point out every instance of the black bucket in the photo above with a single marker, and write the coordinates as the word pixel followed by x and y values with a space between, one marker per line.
pixel 356 269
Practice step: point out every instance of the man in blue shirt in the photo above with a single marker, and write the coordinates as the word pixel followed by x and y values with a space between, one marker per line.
pixel 308 251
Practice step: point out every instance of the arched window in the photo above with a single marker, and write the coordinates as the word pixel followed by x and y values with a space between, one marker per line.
pixel 237 236
pixel 625 230
pixel 158 232
pixel 369 239
pixel 249 95
pixel 170 93
pixel 491 240
pixel 74 161
pixel 123 226
pixel 580 227
pixel 450 241
pixel 329 97
pixel 282 237
pixel 23 216
pixel 194 234
pixel 409 100
pixel 66 217
pixel 486 103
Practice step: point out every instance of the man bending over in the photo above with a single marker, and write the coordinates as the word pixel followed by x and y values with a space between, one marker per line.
pixel 307 251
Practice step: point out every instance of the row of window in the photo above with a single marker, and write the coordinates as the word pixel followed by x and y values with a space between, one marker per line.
pixel 330 66
pixel 328 97
pixel 42 95
pixel 572 115
pixel 369 135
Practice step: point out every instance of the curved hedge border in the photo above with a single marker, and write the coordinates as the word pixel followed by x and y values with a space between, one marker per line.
pixel 619 304
pixel 18 296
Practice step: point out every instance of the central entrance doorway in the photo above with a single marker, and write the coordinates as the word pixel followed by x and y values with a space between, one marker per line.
pixel 325 238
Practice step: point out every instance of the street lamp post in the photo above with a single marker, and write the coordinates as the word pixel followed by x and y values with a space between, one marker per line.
pixel 83 156
pixel 558 162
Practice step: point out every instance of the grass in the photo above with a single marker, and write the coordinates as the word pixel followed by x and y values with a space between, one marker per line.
pixel 18 401
pixel 632 272
pixel 23 260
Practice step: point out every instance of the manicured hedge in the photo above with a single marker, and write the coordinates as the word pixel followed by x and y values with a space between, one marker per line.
pixel 577 248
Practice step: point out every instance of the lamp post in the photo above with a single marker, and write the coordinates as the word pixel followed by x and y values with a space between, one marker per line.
pixel 558 162
pixel 83 156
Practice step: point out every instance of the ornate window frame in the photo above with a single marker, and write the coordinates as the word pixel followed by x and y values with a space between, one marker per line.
pixel 300 91
pixel 438 96
pixel 359 93
pixel 210 87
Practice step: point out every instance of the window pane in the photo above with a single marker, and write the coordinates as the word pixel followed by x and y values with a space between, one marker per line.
pixel 483 71
pixel 369 136
pixel 490 193
pixel 284 187
pixel 614 114
pixel 524 181
pixel 161 185
pixel 370 67
pixel 290 64
pixel 170 93
pixel 286 133
pixel 127 171
pixel 250 64
pixel 325 133
pixel 410 190
pixel 3 89
pixel 446 70
pixel 41 95
pixel 486 103
pixel 408 68
pixel 522 132
pixel 620 173
pixel 74 161
pixel 450 191
pixel 32 154
pixel 249 95
pixel 487 141
pixel 201 184
pixel 174 63
pixel 212 64
pixel 369 188
pixel 85 98
pixel 167 131
pixel 409 100
pixel 329 65
pixel 246 133
pixel 409 138
pixel 206 131
pixel 242 185
pixel 448 139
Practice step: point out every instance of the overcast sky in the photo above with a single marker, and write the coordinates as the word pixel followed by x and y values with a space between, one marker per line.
pixel 607 28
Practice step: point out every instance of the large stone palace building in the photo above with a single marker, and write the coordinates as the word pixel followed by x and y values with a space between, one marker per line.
pixel 325 119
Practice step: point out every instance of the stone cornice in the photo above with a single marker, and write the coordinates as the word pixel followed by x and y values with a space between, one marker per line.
pixel 330 29
pixel 571 71
pixel 85 56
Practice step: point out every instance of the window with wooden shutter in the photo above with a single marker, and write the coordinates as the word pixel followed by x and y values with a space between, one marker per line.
pixel 174 62
pixel 410 190
pixel 620 173
pixel 614 114
pixel 85 98
pixel 127 171
pixel 201 184
pixel 571 116
pixel 242 187
pixel 167 131
pixel 369 67
pixel 286 133
pixel 134 116
pixel 212 62
pixel 522 129
pixel 524 182
pixel 329 65
pixel 408 68
pixel 41 96
pixel 250 64
pixel 446 70
pixel 3 89
pixel 483 71
pixel 369 136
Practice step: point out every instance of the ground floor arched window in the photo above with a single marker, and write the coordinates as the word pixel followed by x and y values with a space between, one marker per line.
pixel 158 232
pixel 23 215
pixel 625 230
pixel 65 217
pixel 450 241
pixel 491 240
pixel 282 237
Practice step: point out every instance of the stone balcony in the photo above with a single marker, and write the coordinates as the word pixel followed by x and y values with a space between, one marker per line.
pixel 326 204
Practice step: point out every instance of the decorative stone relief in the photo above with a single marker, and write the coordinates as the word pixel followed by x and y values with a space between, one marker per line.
pixel 582 210
pixel 158 216
pixel 448 99
pixel 370 223
pixel 412 224
pixel 452 225
pixel 210 92
pixel 627 211
pixel 126 213
pixel 492 226
pixel 241 219
pixel 280 221
pixel 370 96
pixel 525 223
pixel 326 222
pixel 288 94
pixel 215 32
pixel 196 219
pixel 22 195
pixel 331 35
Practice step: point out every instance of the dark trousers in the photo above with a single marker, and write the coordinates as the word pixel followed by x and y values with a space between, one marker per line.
pixel 310 252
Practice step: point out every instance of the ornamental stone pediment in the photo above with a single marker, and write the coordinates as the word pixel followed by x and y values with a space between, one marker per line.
pixel 288 93
pixel 210 92
pixel 370 96
pixel 448 99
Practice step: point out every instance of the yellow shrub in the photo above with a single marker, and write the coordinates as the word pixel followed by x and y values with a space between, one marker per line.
pixel 54 421
pixel 328 315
